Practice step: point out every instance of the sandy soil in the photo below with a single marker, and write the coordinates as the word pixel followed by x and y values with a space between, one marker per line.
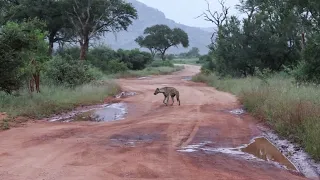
pixel 145 144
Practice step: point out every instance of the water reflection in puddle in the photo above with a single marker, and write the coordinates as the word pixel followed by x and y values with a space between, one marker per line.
pixel 265 150
pixel 187 78
pixel 260 148
pixel 237 111
pixel 110 113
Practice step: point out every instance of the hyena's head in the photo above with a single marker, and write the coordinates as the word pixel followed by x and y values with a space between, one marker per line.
pixel 156 91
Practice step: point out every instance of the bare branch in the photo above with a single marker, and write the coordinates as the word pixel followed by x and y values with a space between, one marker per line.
pixel 216 17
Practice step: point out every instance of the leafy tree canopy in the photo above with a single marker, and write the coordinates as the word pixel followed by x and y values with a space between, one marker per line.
pixel 159 38
pixel 91 18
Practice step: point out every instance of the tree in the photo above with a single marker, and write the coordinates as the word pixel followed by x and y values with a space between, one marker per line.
pixel 91 18
pixel 50 11
pixel 159 38
pixel 22 54
pixel 217 18
pixel 149 43
pixel 268 38
pixel 194 52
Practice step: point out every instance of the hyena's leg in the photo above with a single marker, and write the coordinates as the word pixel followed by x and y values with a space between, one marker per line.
pixel 168 99
pixel 172 97
pixel 164 99
pixel 178 99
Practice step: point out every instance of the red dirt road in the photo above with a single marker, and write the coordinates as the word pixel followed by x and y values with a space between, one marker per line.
pixel 145 144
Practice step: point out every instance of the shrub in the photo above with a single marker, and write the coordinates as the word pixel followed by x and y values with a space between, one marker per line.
pixel 101 58
pixel 115 66
pixel 160 63
pixel 135 59
pixel 170 56
pixel 69 52
pixel 69 72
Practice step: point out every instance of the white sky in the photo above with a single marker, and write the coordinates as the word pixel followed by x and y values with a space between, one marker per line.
pixel 185 11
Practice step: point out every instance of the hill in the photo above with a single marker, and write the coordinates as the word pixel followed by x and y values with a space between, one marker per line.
pixel 149 16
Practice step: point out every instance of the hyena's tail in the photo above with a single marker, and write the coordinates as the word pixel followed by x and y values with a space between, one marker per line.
pixel 178 98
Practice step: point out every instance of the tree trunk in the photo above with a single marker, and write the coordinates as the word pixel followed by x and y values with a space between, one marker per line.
pixel 163 57
pixel 84 48
pixel 36 77
pixel 31 84
pixel 303 40
pixel 51 41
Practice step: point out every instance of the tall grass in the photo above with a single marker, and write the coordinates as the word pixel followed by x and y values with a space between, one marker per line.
pixel 293 111
pixel 55 99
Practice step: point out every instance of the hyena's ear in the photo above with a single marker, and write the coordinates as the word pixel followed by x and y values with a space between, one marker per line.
pixel 157 89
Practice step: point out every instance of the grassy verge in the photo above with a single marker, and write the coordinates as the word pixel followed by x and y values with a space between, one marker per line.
pixel 57 99
pixel 294 112
pixel 53 100
pixel 192 61
pixel 148 71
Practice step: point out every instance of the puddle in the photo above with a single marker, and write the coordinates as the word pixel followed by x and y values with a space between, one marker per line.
pixel 125 94
pixel 187 78
pixel 102 113
pixel 133 140
pixel 264 149
pixel 237 111
pixel 110 113
pixel 304 163
pixel 259 149
pixel 145 77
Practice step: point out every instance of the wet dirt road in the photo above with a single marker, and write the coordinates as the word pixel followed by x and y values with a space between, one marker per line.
pixel 145 144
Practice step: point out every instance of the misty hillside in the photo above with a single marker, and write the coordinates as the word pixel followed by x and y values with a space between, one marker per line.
pixel 147 17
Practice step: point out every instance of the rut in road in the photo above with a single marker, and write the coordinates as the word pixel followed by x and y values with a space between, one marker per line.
pixel 145 144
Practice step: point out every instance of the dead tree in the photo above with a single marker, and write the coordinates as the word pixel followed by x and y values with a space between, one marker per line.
pixel 217 18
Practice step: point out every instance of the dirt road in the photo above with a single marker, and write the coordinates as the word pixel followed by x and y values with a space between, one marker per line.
pixel 145 144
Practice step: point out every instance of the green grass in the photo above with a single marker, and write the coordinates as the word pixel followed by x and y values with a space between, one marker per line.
pixel 148 71
pixel 192 61
pixel 294 112
pixel 57 99
pixel 53 99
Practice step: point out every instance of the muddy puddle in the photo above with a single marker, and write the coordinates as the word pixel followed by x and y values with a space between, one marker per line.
pixel 187 78
pixel 238 111
pixel 125 94
pixel 133 140
pixel 101 113
pixel 144 77
pixel 260 149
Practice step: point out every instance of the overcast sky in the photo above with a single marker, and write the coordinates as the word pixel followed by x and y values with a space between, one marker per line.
pixel 185 11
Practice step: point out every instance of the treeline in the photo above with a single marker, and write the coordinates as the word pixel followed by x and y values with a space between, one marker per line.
pixel 276 35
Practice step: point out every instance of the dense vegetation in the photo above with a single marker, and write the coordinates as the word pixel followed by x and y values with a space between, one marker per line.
pixel 38 80
pixel 270 59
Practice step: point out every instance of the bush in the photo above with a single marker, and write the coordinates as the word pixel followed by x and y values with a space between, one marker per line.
pixel 110 61
pixel 69 72
pixel 101 56
pixel 69 52
pixel 115 66
pixel 135 59
pixel 160 63
pixel 170 56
